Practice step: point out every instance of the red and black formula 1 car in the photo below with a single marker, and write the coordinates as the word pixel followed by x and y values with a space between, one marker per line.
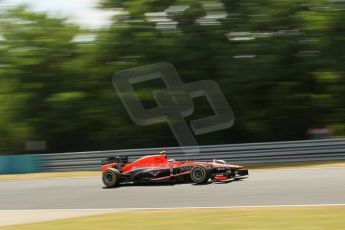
pixel 157 168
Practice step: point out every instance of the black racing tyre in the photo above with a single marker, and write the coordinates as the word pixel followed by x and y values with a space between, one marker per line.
pixel 111 177
pixel 200 174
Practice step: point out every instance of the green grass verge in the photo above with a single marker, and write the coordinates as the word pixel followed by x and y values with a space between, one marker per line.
pixel 326 217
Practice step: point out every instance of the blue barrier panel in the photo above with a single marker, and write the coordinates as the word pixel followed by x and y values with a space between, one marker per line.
pixel 19 164
pixel 4 164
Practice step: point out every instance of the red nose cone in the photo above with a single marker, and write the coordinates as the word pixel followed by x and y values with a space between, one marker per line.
pixel 220 178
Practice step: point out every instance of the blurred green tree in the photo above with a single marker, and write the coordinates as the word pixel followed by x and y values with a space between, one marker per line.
pixel 279 64
pixel 254 49
pixel 36 52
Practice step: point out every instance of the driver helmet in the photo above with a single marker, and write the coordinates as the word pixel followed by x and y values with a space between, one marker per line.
pixel 162 152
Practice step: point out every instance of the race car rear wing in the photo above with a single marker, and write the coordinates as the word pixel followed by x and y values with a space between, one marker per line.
pixel 115 159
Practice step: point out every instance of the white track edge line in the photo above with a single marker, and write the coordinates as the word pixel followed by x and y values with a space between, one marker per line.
pixel 176 208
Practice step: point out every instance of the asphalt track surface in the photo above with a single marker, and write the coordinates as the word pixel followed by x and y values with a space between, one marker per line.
pixel 263 187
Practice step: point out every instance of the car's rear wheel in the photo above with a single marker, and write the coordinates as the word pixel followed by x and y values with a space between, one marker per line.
pixel 199 174
pixel 111 177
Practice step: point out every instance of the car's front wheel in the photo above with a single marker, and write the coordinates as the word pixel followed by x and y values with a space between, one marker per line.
pixel 199 174
pixel 111 177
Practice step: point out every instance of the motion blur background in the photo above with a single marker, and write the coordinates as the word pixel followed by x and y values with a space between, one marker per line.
pixel 280 64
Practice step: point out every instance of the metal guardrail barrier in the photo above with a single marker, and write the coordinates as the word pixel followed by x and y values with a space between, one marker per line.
pixel 268 152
